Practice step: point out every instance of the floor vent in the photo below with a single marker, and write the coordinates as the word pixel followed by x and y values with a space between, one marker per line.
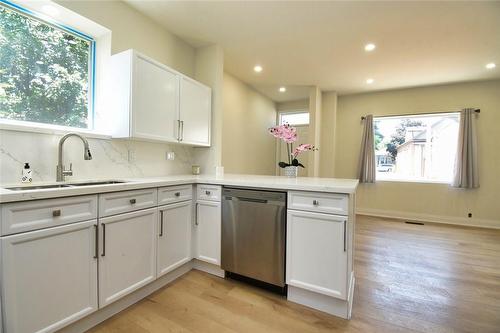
pixel 417 223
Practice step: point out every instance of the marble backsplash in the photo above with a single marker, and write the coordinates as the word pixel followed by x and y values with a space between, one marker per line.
pixel 111 158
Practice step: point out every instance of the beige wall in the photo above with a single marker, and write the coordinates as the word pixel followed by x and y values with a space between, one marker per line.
pixel 315 111
pixel 301 104
pixel 246 145
pixel 209 69
pixel 132 30
pixel 438 202
pixel 328 135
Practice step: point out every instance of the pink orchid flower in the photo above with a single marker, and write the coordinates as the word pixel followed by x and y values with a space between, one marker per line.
pixel 302 148
pixel 284 132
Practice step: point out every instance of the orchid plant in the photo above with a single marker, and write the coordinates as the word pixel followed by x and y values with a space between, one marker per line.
pixel 288 134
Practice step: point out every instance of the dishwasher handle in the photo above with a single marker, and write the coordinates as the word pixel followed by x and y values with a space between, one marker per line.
pixel 264 201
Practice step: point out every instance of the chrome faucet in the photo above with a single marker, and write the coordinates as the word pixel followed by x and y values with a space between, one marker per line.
pixel 61 172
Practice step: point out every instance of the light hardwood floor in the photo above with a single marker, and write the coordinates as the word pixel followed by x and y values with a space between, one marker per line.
pixel 409 278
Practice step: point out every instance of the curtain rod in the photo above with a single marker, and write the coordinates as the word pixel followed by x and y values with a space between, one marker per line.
pixel 426 113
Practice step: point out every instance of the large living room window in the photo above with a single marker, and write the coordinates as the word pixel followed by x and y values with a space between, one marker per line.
pixel 46 71
pixel 416 148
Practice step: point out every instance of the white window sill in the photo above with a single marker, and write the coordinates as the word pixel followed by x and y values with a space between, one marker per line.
pixel 49 129
pixel 409 180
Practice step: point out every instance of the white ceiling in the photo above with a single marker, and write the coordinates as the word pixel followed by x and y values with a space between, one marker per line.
pixel 309 43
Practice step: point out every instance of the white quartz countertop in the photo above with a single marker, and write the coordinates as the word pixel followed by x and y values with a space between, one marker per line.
pixel 330 185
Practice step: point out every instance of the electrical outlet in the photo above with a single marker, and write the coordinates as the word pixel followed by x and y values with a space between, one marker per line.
pixel 470 215
pixel 131 156
pixel 170 156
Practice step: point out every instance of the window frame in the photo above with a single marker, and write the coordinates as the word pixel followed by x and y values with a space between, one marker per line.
pixel 287 112
pixel 413 115
pixel 31 126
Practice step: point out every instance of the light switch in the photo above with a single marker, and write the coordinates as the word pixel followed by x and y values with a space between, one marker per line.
pixel 170 155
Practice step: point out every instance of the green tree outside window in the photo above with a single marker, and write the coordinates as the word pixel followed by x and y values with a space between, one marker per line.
pixel 44 72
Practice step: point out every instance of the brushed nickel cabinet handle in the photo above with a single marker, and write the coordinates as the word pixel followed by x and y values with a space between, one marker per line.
pixel 315 202
pixel 207 192
pixel 345 227
pixel 103 240
pixel 161 223
pixel 133 201
pixel 196 215
pixel 182 130
pixel 96 245
pixel 56 213
pixel 177 194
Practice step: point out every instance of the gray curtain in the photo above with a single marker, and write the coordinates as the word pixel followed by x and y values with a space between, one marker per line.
pixel 466 164
pixel 366 172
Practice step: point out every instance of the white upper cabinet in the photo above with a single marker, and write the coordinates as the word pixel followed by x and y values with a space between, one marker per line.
pixel 151 101
pixel 195 112
pixel 154 101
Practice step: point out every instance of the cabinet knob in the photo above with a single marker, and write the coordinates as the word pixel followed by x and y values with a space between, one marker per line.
pixel 132 201
pixel 56 213
pixel 207 192
pixel 177 194
pixel 315 202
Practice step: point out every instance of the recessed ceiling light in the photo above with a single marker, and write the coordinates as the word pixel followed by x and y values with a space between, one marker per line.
pixel 257 68
pixel 282 89
pixel 370 81
pixel 50 10
pixel 491 65
pixel 370 47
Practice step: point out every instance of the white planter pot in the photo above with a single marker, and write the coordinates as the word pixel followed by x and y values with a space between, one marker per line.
pixel 291 171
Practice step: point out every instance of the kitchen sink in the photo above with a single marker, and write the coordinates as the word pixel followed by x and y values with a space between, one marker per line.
pixel 106 182
pixel 39 187
pixel 52 186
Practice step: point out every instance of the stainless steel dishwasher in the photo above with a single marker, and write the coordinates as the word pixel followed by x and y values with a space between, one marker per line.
pixel 253 234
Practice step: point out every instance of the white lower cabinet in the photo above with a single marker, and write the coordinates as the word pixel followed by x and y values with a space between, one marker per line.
pixel 49 277
pixel 174 236
pixel 316 253
pixel 128 253
pixel 208 231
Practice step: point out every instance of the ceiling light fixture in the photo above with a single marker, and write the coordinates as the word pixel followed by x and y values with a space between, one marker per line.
pixel 282 89
pixel 50 10
pixel 257 68
pixel 370 47
pixel 491 65
pixel 369 81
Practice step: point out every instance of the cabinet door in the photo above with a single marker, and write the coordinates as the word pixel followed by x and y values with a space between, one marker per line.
pixel 128 253
pixel 195 112
pixel 49 277
pixel 208 231
pixel 174 236
pixel 316 256
pixel 154 101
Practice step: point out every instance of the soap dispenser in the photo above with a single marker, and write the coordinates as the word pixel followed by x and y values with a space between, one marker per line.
pixel 27 174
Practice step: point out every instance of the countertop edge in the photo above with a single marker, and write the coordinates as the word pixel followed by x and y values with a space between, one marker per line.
pixel 270 182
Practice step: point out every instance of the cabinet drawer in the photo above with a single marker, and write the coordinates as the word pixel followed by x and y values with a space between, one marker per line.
pixel 32 215
pixel 330 203
pixel 127 201
pixel 171 194
pixel 209 192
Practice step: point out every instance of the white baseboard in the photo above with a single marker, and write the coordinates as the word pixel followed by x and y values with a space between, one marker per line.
pixel 208 268
pixel 328 304
pixel 350 297
pixel 470 222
